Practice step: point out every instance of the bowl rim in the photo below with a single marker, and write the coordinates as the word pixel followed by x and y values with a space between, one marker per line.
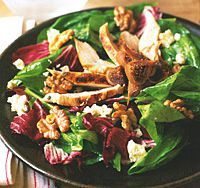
pixel 46 23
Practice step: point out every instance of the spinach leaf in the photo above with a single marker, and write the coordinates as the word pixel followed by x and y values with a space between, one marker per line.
pixel 187 79
pixel 196 40
pixel 117 162
pixel 93 160
pixel 170 23
pixel 185 45
pixel 154 113
pixel 78 138
pixel 138 8
pixel 170 143
pixel 32 74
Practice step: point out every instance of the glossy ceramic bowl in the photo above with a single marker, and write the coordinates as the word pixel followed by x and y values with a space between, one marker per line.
pixel 184 168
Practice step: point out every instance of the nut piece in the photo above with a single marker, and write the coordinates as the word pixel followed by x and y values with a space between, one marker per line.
pixel 127 116
pixel 57 84
pixel 61 118
pixel 178 104
pixel 124 19
pixel 60 39
pixel 49 127
pixel 176 68
pixel 57 119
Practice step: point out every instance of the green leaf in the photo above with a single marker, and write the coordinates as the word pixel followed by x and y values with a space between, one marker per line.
pixel 42 35
pixel 138 8
pixel 170 23
pixel 117 162
pixel 32 74
pixel 196 40
pixel 185 45
pixel 170 144
pixel 187 79
pixel 156 112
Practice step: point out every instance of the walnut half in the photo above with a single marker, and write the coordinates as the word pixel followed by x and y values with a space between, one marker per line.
pixel 57 119
pixel 127 116
pixel 124 19
pixel 60 40
pixel 57 84
pixel 178 104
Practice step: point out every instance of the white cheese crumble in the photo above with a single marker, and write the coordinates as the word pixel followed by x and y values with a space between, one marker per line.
pixel 96 110
pixel 177 36
pixel 166 38
pixel 138 132
pixel 45 74
pixel 65 68
pixel 135 151
pixel 19 64
pixel 13 83
pixel 51 34
pixel 19 104
pixel 180 59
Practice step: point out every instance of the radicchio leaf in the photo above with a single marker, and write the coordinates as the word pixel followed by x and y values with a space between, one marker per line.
pixel 117 140
pixel 142 21
pixel 26 123
pixel 98 124
pixel 30 53
pixel 68 57
pixel 57 155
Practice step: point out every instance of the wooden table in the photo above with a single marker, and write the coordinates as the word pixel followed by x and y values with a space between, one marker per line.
pixel 189 9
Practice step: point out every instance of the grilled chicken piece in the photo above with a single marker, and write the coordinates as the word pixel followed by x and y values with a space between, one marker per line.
pixel 130 40
pixel 116 76
pixel 84 78
pixel 83 98
pixel 107 41
pixel 87 79
pixel 90 60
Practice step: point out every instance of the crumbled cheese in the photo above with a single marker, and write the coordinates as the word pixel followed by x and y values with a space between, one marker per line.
pixel 18 103
pixel 138 132
pixel 96 110
pixel 177 36
pixel 180 59
pixel 65 68
pixel 13 83
pixel 135 151
pixel 51 34
pixel 19 64
pixel 166 38
pixel 58 65
pixel 45 74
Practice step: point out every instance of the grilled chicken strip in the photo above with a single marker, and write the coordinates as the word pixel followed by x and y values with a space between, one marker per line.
pixel 87 79
pixel 83 98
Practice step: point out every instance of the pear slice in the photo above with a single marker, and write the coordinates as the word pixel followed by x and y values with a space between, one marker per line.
pixel 107 41
pixel 89 58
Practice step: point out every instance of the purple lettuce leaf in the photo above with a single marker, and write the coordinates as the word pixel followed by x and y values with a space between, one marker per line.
pixel 142 20
pixel 26 124
pixel 68 57
pixel 32 52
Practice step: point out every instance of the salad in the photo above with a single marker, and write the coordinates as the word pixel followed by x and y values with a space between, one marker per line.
pixel 117 86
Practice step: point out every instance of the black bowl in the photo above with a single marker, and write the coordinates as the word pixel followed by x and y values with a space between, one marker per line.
pixel 185 168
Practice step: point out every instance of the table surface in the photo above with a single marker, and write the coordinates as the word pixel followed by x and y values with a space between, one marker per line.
pixel 189 9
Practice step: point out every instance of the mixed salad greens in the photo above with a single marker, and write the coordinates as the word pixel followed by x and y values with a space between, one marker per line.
pixel 117 86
